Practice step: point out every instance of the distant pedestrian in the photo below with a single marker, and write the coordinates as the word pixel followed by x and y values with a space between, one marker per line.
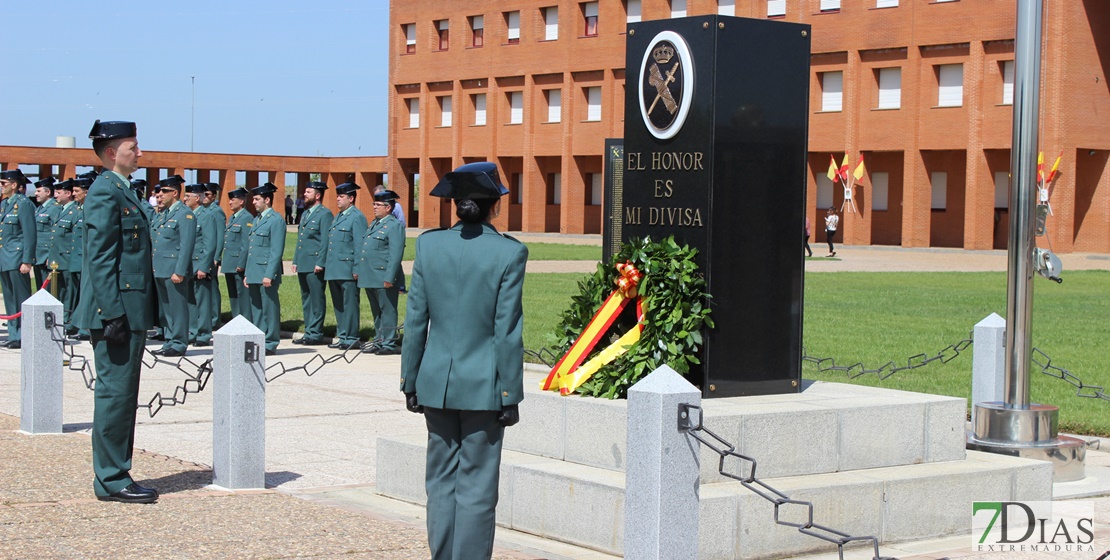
pixel 300 207
pixel 832 221
pixel 809 252
pixel 288 209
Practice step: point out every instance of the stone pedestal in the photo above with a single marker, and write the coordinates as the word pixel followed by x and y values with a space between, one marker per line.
pixel 40 405
pixel 239 406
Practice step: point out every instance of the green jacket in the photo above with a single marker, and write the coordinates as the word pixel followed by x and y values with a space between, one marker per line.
pixel 64 233
pixel 77 256
pixel 117 279
pixel 344 242
pixel 17 232
pixel 45 217
pixel 205 243
pixel 235 241
pixel 221 223
pixel 312 243
pixel 265 246
pixel 464 323
pixel 379 260
pixel 174 233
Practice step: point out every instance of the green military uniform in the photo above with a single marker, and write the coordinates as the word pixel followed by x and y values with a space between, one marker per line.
pixel 17 246
pixel 221 221
pixel 312 252
pixel 266 242
pixel 117 282
pixel 344 239
pixel 76 267
pixel 61 258
pixel 234 259
pixel 204 260
pixel 174 233
pixel 463 362
pixel 379 262
pixel 45 217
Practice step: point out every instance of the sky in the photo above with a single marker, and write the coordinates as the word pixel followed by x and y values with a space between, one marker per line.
pixel 300 78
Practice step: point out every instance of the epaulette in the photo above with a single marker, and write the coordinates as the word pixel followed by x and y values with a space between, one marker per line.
pixel 507 236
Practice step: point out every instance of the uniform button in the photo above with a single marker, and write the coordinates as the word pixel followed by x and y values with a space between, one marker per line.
pixel 504 393
pixel 129 285
pixel 402 380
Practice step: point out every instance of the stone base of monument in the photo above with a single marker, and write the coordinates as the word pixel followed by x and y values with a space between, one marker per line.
pixel 873 461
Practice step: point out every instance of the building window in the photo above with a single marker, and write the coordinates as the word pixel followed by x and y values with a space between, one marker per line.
pixel 824 191
pixel 832 91
pixel 554 105
pixel 410 37
pixel 678 8
pixel 596 189
pixel 941 1
pixel 445 110
pixel 514 186
pixel 776 8
pixel 632 11
pixel 1007 82
pixel 414 112
pixel 886 3
pixel 477 31
pixel 443 32
pixel 512 23
pixel 516 107
pixel 1001 189
pixel 950 80
pixel 940 190
pixel 830 5
pixel 890 88
pixel 726 7
pixel 880 191
pixel 479 109
pixel 593 103
pixel 550 23
pixel 589 12
pixel 556 183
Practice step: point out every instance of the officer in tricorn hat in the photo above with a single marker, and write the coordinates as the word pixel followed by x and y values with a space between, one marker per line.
pixel 212 204
pixel 203 269
pixel 17 248
pixel 309 260
pixel 263 271
pixel 45 216
pixel 234 256
pixel 117 306
pixel 139 186
pixel 77 254
pixel 464 370
pixel 60 259
pixel 379 272
pixel 344 241
pixel 174 231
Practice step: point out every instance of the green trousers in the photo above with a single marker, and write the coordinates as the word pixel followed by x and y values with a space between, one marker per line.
pixel 200 309
pixel 237 295
pixel 344 298
pixel 217 298
pixel 16 288
pixel 464 464
pixel 313 303
pixel 73 297
pixel 173 299
pixel 115 397
pixel 383 304
pixel 266 311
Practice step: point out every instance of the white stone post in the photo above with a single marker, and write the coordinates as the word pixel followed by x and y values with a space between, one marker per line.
pixel 239 406
pixel 40 403
pixel 988 364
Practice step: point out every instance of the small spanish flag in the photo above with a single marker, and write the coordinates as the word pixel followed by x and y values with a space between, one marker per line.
pixel 1055 166
pixel 832 174
pixel 858 173
pixel 1040 167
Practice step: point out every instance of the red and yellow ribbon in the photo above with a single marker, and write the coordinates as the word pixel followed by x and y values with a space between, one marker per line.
pixel 567 376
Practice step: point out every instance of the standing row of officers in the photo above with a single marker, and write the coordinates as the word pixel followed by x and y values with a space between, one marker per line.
pixel 194 241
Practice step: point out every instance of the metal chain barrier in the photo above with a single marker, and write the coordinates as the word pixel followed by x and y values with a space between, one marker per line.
pixel 313 365
pixel 726 450
pixel 1081 389
pixel 947 354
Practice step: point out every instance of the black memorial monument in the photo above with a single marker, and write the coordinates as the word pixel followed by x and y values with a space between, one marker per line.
pixel 714 152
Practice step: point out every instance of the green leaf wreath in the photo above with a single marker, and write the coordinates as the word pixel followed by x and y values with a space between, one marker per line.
pixel 676 311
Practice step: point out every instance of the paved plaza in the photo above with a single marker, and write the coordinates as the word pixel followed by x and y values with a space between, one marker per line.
pixel 321 437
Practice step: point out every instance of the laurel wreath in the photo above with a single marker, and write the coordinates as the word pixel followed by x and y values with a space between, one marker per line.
pixel 676 311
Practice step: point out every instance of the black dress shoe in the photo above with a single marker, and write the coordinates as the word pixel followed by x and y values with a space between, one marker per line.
pixel 388 351
pixel 335 344
pixel 298 341
pixel 313 342
pixel 371 347
pixel 167 352
pixel 271 352
pixel 13 344
pixel 202 343
pixel 133 494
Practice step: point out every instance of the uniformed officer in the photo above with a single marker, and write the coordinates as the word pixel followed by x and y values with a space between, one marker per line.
pixel 203 269
pixel 17 248
pixel 379 273
pixel 234 259
pixel 309 260
pixel 61 251
pixel 174 233
pixel 262 276
pixel 140 186
pixel 45 216
pixel 462 361
pixel 344 239
pixel 77 253
pixel 117 305
pixel 212 202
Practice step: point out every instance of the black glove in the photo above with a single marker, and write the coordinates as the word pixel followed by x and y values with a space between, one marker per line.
pixel 116 330
pixel 412 404
pixel 509 415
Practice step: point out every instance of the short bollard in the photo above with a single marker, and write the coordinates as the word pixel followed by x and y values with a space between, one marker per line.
pixel 988 363
pixel 40 405
pixel 662 476
pixel 238 406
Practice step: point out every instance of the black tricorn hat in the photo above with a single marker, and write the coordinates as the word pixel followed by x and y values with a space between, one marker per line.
pixel 47 182
pixel 346 188
pixel 14 175
pixel 173 182
pixel 317 185
pixel 386 196
pixel 212 187
pixel 112 129
pixel 196 188
pixel 139 184
pixel 66 185
pixel 90 175
pixel 82 181
pixel 238 193
pixel 473 180
pixel 268 188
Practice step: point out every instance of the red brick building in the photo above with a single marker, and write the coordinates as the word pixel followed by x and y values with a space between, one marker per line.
pixel 922 88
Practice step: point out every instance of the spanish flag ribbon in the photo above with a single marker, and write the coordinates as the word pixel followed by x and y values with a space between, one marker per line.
pixel 566 376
